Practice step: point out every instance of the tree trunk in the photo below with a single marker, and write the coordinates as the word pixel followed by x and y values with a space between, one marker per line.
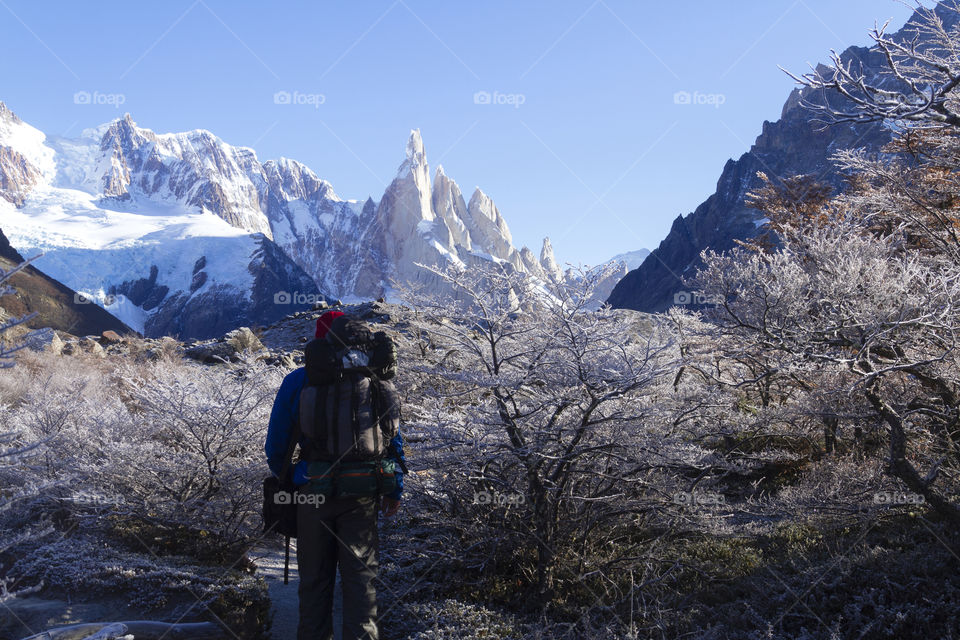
pixel 901 468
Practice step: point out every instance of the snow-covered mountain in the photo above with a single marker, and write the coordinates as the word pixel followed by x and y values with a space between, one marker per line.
pixel 183 234
pixel 157 229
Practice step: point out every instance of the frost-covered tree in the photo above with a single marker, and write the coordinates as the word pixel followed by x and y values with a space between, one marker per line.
pixel 13 447
pixel 857 294
pixel 864 311
pixel 918 86
pixel 151 468
pixel 197 433
pixel 544 412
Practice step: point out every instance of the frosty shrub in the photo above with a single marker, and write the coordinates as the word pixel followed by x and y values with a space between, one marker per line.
pixel 160 458
pixel 197 440
pixel 15 451
pixel 539 418
pixel 15 448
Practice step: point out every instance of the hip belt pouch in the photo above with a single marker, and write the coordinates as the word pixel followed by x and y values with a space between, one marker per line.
pixel 353 479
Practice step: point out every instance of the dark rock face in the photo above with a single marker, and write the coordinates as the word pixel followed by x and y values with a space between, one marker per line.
pixel 55 304
pixel 143 292
pixel 280 287
pixel 787 147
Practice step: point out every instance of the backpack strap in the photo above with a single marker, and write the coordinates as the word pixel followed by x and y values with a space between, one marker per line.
pixel 287 460
pixel 291 446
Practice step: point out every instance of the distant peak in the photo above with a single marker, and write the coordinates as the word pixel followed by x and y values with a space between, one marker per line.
pixel 7 114
pixel 415 164
pixel 440 171
pixel 126 122
pixel 289 164
pixel 547 260
pixel 415 151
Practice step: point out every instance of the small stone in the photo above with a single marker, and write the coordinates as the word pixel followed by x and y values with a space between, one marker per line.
pixel 56 345
pixel 91 346
pixel 111 337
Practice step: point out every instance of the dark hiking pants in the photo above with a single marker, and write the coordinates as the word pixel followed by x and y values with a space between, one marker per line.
pixel 341 531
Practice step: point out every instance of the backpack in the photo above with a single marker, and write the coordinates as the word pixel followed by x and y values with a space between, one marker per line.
pixel 350 348
pixel 348 409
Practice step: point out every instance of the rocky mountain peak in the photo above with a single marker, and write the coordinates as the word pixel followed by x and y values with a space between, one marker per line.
pixel 296 181
pixel 487 227
pixel 415 150
pixel 7 115
pixel 415 162
pixel 547 260
pixel 321 245
pixel 449 206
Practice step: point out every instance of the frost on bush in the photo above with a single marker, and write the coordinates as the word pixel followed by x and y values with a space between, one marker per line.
pixel 16 447
pixel 157 463
pixel 85 564
pixel 543 425
pixel 197 439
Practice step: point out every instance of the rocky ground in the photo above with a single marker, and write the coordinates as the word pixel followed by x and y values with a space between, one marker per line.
pixel 279 344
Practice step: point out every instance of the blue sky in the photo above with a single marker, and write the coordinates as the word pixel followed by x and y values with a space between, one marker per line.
pixel 581 138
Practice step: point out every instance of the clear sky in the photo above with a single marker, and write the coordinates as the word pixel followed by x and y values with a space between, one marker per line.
pixel 581 138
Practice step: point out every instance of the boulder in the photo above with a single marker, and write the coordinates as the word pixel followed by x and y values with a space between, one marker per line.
pixel 111 337
pixel 244 339
pixel 56 344
pixel 91 346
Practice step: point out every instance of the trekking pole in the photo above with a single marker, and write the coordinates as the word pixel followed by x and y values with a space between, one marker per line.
pixel 286 563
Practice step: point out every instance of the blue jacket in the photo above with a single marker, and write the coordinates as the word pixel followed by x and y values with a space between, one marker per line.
pixel 286 407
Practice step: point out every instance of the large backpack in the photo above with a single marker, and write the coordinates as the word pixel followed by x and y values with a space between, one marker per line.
pixel 350 347
pixel 348 409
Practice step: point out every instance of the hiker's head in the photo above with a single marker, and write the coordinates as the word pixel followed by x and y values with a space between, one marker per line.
pixel 324 323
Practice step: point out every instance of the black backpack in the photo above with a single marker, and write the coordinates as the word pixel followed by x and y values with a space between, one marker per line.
pixel 350 347
pixel 348 409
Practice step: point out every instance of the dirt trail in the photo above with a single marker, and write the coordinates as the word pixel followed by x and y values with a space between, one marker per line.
pixel 285 604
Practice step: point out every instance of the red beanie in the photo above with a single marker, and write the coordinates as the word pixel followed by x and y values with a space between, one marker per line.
pixel 324 323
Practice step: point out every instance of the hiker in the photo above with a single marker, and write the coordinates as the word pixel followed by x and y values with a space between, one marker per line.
pixel 346 416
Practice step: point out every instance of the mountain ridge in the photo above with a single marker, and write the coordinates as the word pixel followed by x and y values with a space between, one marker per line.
pixel 789 146
pixel 123 210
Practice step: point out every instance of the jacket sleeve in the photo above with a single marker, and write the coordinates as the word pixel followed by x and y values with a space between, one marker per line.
pixel 396 454
pixel 282 419
pixel 390 413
